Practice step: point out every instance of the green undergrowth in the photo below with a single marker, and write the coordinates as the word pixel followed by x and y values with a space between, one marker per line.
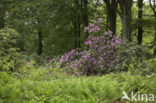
pixel 38 86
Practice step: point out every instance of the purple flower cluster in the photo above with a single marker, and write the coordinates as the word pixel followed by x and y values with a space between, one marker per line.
pixel 99 54
pixel 69 58
pixel 94 28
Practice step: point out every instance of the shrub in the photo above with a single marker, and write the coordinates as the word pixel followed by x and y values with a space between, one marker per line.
pixel 98 55
pixel 130 55
pixel 9 49
pixel 9 38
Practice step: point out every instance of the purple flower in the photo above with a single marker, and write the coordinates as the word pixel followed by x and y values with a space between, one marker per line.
pixel 62 58
pixel 73 51
pixel 29 63
pixel 86 28
pixel 100 57
pixel 106 33
pixel 94 61
pixel 80 73
pixel 81 53
pixel 112 43
pixel 89 42
pixel 84 56
pixel 117 41
pixel 97 28
pixel 100 20
pixel 92 24
pixel 93 29
pixel 97 38
pixel 75 65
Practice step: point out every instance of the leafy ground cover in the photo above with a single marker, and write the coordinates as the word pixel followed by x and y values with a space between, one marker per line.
pixel 38 86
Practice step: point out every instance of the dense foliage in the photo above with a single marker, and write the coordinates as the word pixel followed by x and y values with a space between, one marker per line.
pixel 9 49
pixel 60 51
pixel 37 86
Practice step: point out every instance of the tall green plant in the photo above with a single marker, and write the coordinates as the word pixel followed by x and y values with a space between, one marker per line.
pixel 9 49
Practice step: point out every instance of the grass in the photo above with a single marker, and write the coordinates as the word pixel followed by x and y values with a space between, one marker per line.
pixel 37 86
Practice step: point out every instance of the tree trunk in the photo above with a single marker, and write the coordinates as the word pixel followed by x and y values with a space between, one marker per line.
pixel 140 30
pixel 75 30
pixel 1 19
pixel 125 6
pixel 85 15
pixel 111 14
pixel 40 41
pixel 80 17
pixel 78 30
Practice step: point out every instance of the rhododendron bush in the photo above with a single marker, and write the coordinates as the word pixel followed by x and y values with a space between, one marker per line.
pixel 99 53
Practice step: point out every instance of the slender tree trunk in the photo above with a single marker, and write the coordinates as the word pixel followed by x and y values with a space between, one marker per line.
pixel 85 15
pixel 40 41
pixel 77 23
pixel 1 19
pixel 111 14
pixel 125 6
pixel 75 30
pixel 78 30
pixel 140 30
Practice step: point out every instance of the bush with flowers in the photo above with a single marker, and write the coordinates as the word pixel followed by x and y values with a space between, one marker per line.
pixel 98 55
